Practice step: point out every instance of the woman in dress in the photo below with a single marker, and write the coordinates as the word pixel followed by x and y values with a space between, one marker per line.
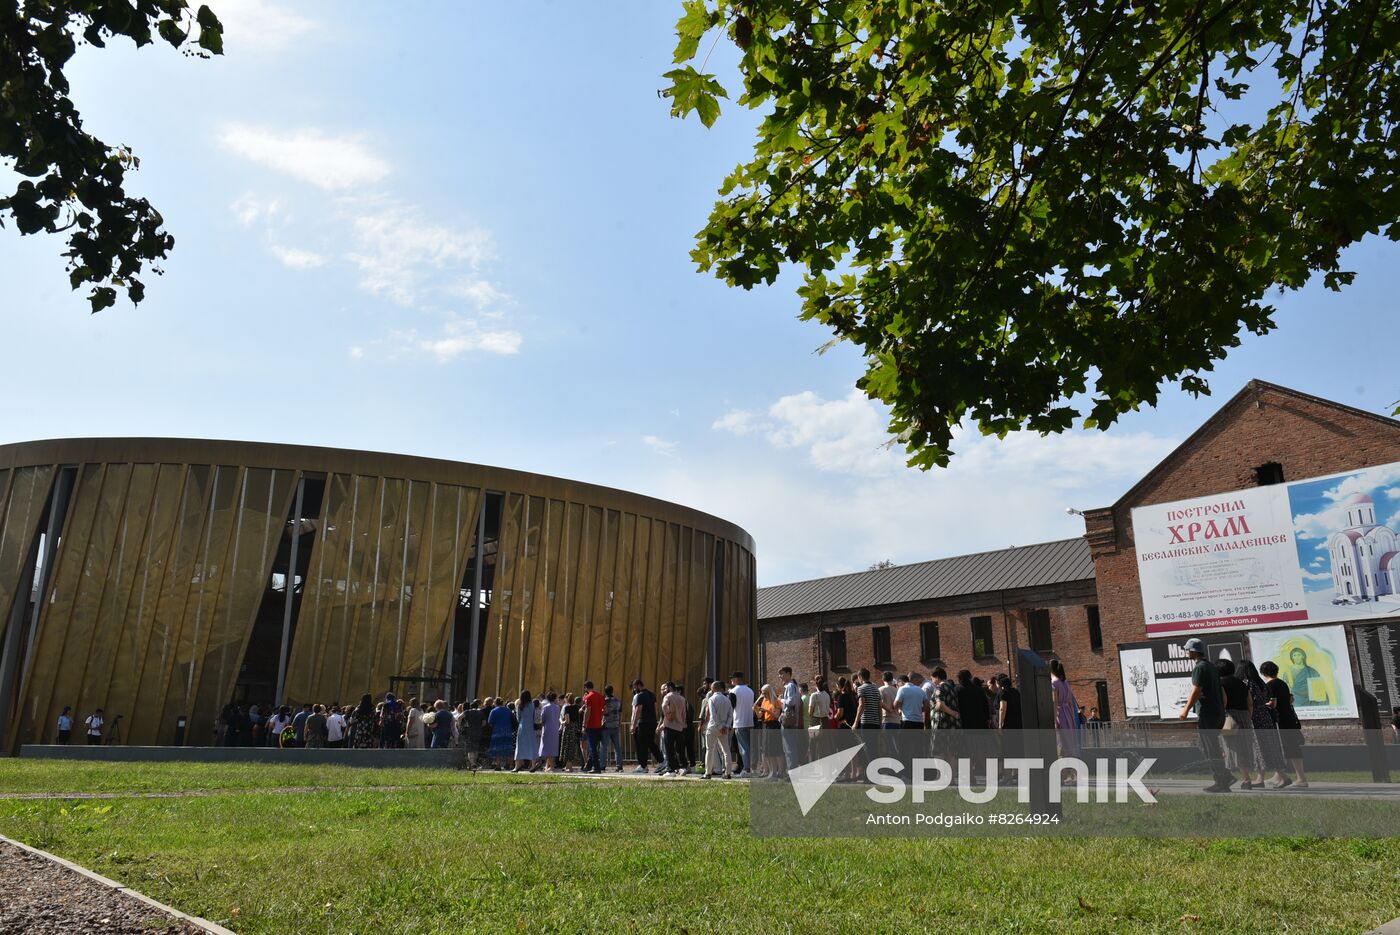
pixel 1289 728
pixel 501 724
pixel 364 725
pixel 391 723
pixel 767 710
pixel 1066 710
pixel 549 733
pixel 1268 750
pixel 1238 732
pixel 413 732
pixel 527 738
pixel 572 721
pixel 846 697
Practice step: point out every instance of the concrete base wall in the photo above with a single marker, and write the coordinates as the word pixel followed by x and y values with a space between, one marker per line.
pixel 323 757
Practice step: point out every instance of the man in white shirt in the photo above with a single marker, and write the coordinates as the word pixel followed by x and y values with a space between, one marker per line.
pixel 94 727
pixel 719 716
pixel 65 725
pixel 335 729
pixel 888 690
pixel 743 720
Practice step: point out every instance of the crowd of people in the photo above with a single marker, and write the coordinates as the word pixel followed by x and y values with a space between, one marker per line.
pixel 1248 725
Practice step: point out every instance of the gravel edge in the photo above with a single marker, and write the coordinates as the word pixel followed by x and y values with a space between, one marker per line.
pixel 202 924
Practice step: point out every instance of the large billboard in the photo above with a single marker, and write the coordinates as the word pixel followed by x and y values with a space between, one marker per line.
pixel 1157 673
pixel 1313 551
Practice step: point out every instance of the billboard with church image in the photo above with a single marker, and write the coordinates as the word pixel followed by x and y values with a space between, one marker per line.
pixel 1312 551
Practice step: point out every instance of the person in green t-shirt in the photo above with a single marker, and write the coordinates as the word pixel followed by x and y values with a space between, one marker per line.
pixel 1208 698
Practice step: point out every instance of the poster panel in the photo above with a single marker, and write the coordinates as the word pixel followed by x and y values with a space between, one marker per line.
pixel 1314 664
pixel 1157 673
pixel 1378 655
pixel 1317 550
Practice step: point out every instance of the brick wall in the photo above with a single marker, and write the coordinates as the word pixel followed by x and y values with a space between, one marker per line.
pixel 1309 437
pixel 796 641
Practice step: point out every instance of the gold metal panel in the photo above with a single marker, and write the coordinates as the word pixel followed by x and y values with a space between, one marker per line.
pixel 325 567
pixel 701 591
pixel 101 672
pixel 562 667
pixel 51 676
pixel 667 624
pixel 605 595
pixel 634 631
pixel 171 599
pixel 258 525
pixel 536 621
pixel 510 545
pixel 584 615
pixel 21 509
pixel 620 619
pixel 656 626
pixel 138 619
pixel 453 513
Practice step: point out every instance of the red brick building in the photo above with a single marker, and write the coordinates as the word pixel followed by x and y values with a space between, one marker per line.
pixel 1076 599
pixel 1266 434
pixel 968 612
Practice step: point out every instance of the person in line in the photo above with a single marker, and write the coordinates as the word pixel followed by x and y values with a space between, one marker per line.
pixel 1290 729
pixel 869 714
pixel 1238 732
pixel 65 724
pixel 790 720
pixel 413 732
pixel 975 719
pixel 313 729
pixel 767 711
pixel 571 739
pixel 1008 720
pixel 336 728
pixel 695 756
pixel 1208 700
pixel 612 727
pixel 471 733
pixel 501 723
pixel 673 720
pixel 743 698
pixel 443 724
pixel 1395 725
pixel 718 718
pixel 1268 750
pixel 299 725
pixel 643 728
pixel 94 724
pixel 943 708
pixel 364 724
pixel 594 710
pixel 913 704
pixel 1066 710
pixel 550 729
pixel 888 690
pixel 527 744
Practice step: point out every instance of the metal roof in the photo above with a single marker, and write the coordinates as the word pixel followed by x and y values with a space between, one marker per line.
pixel 1025 566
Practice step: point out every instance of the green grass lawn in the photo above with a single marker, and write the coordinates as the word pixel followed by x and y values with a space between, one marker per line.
pixel 492 853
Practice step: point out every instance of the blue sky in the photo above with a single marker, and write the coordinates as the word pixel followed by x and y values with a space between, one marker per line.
pixel 462 231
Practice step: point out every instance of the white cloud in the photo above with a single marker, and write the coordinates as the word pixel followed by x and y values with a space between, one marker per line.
pixel 823 495
pixel 738 421
pixel 333 163
pixel 660 445
pixel 463 336
pixel 1393 493
pixel 297 258
pixel 259 26
pixel 481 293
pixel 249 209
pixel 357 353
pixel 1317 575
pixel 398 249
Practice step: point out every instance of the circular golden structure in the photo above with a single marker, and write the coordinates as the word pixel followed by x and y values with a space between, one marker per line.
pixel 161 579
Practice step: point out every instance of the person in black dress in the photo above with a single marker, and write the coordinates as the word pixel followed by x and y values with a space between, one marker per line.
pixel 1289 728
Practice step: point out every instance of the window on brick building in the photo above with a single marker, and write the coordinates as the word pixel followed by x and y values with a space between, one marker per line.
pixel 982 637
pixel 930 649
pixel 1038 630
pixel 1095 631
pixel 1266 474
pixel 836 649
pixel 880 636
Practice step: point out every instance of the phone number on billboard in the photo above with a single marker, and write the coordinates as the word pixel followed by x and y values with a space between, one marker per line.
pixel 1227 612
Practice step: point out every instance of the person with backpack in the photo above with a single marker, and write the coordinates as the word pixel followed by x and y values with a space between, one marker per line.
pixel 94 724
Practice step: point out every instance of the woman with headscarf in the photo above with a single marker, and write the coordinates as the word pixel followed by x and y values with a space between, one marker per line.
pixel 501 724
pixel 527 742
pixel 1066 710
